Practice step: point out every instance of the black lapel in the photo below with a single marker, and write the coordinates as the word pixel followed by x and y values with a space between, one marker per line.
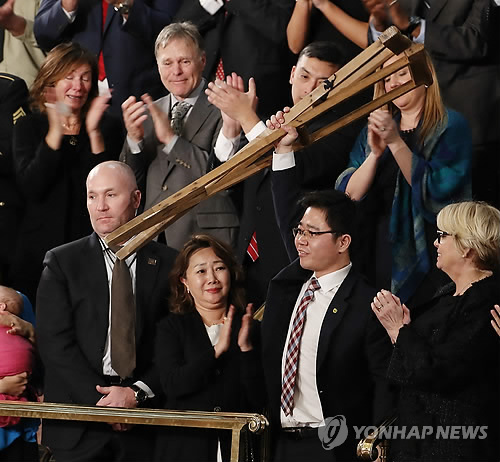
pixel 94 268
pixel 148 264
pixel 338 307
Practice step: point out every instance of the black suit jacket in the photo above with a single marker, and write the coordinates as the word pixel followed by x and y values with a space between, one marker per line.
pixel 352 358
pixel 192 378
pixel 13 103
pixel 72 324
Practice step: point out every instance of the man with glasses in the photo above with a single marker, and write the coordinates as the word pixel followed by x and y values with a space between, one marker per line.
pixel 324 355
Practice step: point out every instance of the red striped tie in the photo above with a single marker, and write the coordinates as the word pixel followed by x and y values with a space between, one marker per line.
pixel 253 249
pixel 293 348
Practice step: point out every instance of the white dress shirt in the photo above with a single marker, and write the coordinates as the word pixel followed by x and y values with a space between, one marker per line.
pixel 307 410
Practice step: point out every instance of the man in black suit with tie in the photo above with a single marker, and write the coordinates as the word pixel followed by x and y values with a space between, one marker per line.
pixel 76 328
pixel 324 353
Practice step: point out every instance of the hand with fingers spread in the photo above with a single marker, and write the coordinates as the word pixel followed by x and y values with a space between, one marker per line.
pixel 234 103
pixel 284 145
pixel 391 313
pixel 161 121
pixel 244 341
pixel 134 116
pixel 495 322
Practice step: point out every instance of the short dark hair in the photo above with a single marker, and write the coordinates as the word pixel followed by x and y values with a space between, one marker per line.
pixel 324 51
pixel 181 300
pixel 339 209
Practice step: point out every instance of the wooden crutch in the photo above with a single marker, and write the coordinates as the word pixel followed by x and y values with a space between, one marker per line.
pixel 359 74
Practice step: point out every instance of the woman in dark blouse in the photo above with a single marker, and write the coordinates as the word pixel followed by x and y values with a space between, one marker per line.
pixel 446 357
pixel 54 149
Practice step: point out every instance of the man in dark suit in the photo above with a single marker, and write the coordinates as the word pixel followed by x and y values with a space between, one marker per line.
pixel 317 165
pixel 75 333
pixel 121 34
pixel 13 104
pixel 329 357
pixel 169 148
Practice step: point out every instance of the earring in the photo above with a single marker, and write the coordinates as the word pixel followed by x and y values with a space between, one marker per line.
pixel 187 288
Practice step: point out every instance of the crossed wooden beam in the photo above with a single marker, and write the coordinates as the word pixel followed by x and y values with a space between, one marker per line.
pixel 359 74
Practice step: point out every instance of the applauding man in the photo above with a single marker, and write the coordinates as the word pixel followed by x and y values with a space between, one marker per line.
pixel 169 148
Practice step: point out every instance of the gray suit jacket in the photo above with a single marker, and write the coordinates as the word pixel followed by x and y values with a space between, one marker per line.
pixel 161 175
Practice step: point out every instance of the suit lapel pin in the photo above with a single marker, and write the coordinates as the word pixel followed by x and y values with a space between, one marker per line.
pixel 152 261
pixel 335 310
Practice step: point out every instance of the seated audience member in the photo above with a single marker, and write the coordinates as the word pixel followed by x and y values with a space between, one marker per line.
pixel 89 306
pixel 13 104
pixel 168 149
pixel 407 163
pixel 54 149
pixel 120 33
pixel 445 356
pixel 316 165
pixel 17 338
pixel 322 351
pixel 205 355
pixel 495 322
pixel 21 54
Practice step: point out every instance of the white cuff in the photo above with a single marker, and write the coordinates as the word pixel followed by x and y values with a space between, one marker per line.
pixel 225 148
pixel 421 36
pixel 283 161
pixel 145 388
pixel 256 131
pixel 135 148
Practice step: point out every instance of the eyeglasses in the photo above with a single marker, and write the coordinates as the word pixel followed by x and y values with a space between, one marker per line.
pixel 441 234
pixel 299 232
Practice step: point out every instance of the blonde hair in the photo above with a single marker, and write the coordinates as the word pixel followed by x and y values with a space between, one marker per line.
pixel 474 225
pixel 180 30
pixel 433 114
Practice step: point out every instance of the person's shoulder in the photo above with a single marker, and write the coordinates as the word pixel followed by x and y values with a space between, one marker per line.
pixel 162 250
pixel 456 119
pixel 70 248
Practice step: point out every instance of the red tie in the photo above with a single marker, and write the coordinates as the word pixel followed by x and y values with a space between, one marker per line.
pixel 293 348
pixel 102 71
pixel 253 249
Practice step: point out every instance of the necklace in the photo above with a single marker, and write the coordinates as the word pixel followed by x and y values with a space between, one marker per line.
pixel 469 284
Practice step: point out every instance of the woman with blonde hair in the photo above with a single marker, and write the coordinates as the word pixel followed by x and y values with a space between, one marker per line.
pixel 445 356
pixel 412 159
pixel 54 149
